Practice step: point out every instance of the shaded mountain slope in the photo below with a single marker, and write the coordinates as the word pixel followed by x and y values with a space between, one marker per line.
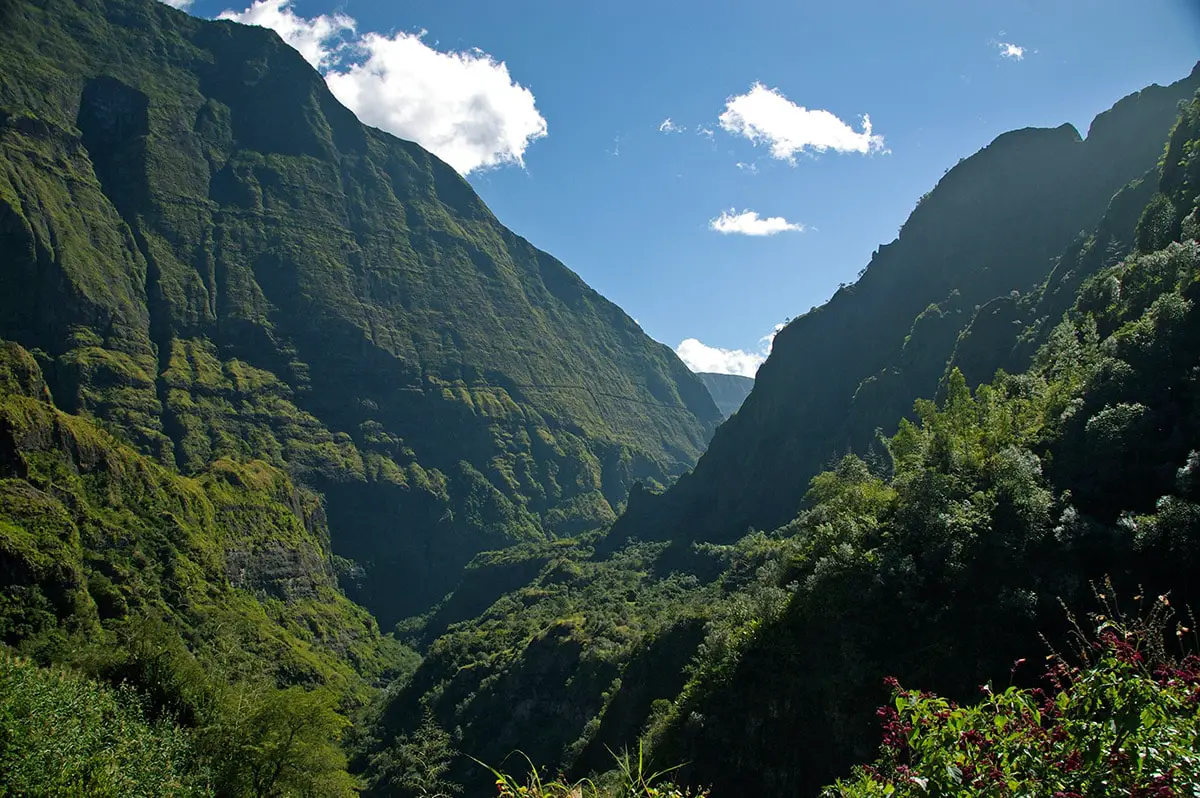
pixel 727 390
pixel 993 225
pixel 213 258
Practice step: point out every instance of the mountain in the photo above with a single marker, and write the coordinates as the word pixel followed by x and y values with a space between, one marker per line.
pixel 271 380
pixel 992 227
pixel 987 527
pixel 727 390
pixel 212 259
pixel 938 556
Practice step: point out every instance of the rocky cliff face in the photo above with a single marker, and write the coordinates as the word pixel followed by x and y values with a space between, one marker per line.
pixel 214 259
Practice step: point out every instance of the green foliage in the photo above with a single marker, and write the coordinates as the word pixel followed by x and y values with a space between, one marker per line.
pixel 631 778
pixel 1123 721
pixel 992 226
pixel 939 563
pixel 280 743
pixel 999 501
pixel 551 652
pixel 256 331
pixel 170 727
pixel 210 599
pixel 417 764
pixel 62 734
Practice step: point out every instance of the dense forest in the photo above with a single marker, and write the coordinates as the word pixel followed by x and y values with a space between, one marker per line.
pixel 316 480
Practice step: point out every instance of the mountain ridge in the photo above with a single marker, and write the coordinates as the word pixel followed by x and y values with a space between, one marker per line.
pixel 941 557
pixel 840 371
pixel 214 257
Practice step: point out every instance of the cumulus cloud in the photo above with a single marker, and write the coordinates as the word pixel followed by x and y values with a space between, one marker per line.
pixel 699 356
pixel 1010 50
pixel 464 107
pixel 766 116
pixel 668 126
pixel 317 39
pixel 749 223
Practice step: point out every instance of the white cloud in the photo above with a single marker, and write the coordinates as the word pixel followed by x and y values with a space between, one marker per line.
pixel 668 126
pixel 704 131
pixel 317 39
pixel 768 340
pixel 765 115
pixel 749 223
pixel 750 168
pixel 1013 51
pixel 699 356
pixel 464 107
pixel 182 5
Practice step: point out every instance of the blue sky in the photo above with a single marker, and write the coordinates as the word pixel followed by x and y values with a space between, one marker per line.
pixel 555 110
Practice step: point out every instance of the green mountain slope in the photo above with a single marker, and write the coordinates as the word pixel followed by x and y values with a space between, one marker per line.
pixel 727 390
pixel 213 259
pixel 91 531
pixel 993 225
pixel 212 599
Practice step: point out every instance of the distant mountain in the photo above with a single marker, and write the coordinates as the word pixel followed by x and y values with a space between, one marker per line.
pixel 212 258
pixel 727 390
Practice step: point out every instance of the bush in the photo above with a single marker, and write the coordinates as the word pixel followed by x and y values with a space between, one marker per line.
pixel 63 734
pixel 1125 720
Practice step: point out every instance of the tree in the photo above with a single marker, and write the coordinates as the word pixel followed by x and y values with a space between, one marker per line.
pixel 284 742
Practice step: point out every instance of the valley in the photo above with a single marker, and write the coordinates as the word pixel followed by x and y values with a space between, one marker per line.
pixel 323 481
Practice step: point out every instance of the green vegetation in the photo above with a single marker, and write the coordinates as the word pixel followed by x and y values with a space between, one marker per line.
pixel 208 601
pixel 230 351
pixel 1124 721
pixel 214 260
pixel 61 734
pixel 994 224
pixel 629 779
pixel 270 379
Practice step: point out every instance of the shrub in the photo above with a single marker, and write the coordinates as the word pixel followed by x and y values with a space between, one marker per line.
pixel 1124 720
pixel 63 734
